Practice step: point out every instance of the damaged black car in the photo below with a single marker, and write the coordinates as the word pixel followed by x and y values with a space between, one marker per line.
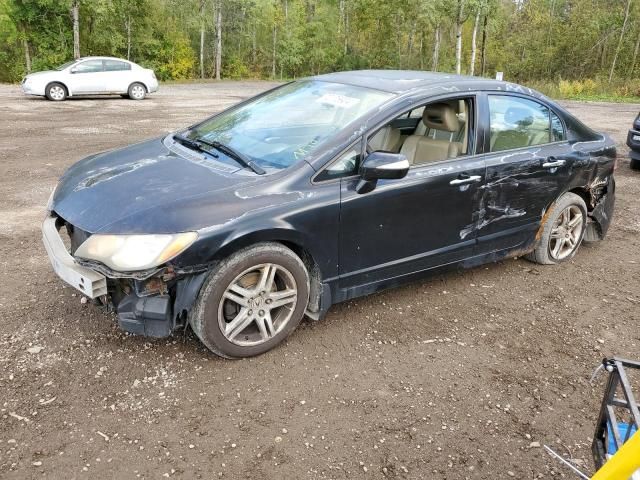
pixel 323 190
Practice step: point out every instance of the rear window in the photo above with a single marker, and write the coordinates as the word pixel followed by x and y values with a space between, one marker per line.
pixel 115 66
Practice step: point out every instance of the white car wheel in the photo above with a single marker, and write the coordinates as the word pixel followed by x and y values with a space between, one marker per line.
pixel 137 91
pixel 56 92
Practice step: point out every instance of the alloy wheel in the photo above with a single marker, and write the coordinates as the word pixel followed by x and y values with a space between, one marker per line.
pixel 257 304
pixel 137 92
pixel 57 92
pixel 566 233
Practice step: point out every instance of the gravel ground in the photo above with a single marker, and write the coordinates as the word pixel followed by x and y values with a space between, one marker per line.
pixel 461 376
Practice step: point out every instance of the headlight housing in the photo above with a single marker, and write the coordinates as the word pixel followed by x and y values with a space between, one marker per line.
pixel 134 252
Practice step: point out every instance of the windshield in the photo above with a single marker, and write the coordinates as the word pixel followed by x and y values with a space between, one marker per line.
pixel 65 65
pixel 285 125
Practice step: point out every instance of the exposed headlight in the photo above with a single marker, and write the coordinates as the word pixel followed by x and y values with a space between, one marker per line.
pixel 134 252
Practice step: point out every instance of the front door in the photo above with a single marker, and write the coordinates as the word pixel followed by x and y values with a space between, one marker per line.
pixel 87 77
pixel 423 220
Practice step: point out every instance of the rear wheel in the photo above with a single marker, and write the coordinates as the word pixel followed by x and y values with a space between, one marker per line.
pixel 56 92
pixel 137 91
pixel 251 301
pixel 562 232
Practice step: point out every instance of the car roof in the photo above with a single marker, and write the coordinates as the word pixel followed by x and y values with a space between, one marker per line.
pixel 104 58
pixel 403 81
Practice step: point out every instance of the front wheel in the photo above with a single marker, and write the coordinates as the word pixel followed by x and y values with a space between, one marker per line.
pixel 562 231
pixel 251 301
pixel 56 92
pixel 137 91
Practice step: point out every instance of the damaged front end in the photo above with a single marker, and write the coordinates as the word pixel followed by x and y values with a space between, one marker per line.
pixel 152 302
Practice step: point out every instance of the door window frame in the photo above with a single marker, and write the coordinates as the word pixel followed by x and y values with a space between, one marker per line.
pixel 87 61
pixel 475 142
pixel 486 117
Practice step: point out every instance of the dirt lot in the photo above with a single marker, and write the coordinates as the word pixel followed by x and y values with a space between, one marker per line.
pixel 461 376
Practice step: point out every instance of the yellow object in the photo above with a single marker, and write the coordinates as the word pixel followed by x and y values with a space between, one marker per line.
pixel 624 463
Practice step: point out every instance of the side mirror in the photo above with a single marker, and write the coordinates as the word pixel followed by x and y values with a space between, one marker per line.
pixel 72 70
pixel 381 166
pixel 384 165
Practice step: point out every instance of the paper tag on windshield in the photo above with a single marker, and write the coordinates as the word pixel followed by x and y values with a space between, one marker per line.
pixel 340 101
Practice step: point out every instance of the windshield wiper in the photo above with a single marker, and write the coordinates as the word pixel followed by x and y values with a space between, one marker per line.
pixel 192 144
pixel 239 157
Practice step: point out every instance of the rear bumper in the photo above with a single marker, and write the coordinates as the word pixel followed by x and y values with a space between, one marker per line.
pixel 602 214
pixel 89 282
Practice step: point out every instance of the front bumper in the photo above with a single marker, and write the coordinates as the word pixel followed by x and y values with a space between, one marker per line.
pixel 90 283
pixel 153 307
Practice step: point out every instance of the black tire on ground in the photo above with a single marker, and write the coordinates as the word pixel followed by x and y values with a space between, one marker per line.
pixel 56 92
pixel 634 164
pixel 204 317
pixel 137 91
pixel 544 251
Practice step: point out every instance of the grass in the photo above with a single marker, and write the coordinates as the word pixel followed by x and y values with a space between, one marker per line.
pixel 590 90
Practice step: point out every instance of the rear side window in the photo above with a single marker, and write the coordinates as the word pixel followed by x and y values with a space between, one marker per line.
pixel 557 129
pixel 116 66
pixel 90 66
pixel 518 122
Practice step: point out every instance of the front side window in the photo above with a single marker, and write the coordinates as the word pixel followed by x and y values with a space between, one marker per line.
pixel 90 66
pixel 116 66
pixel 442 130
pixel 284 126
pixel 518 122
pixel 346 165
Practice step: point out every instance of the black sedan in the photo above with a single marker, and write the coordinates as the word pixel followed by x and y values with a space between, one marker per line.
pixel 633 142
pixel 323 190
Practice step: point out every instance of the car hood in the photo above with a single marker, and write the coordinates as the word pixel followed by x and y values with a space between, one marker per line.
pixel 149 188
pixel 42 73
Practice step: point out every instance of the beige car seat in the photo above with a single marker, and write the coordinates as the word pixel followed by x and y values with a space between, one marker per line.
pixel 420 149
pixel 387 139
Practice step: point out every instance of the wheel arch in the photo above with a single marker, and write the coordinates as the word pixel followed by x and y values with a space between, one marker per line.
pixel 141 82
pixel 293 240
pixel 64 85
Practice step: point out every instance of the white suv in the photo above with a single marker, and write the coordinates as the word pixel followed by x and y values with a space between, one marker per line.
pixel 92 76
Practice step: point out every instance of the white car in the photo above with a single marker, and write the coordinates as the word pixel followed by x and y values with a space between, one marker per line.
pixel 92 76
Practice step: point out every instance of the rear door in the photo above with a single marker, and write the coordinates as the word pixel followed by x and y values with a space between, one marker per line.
pixel 87 77
pixel 528 166
pixel 117 76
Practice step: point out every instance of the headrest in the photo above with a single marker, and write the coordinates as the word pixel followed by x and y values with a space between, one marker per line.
pixel 518 116
pixel 441 116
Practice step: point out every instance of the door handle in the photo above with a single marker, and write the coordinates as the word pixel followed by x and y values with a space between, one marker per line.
pixel 465 179
pixel 553 162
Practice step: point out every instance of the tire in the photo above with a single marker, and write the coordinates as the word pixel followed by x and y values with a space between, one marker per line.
pixel 561 234
pixel 137 91
pixel 56 92
pixel 258 327
pixel 634 164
